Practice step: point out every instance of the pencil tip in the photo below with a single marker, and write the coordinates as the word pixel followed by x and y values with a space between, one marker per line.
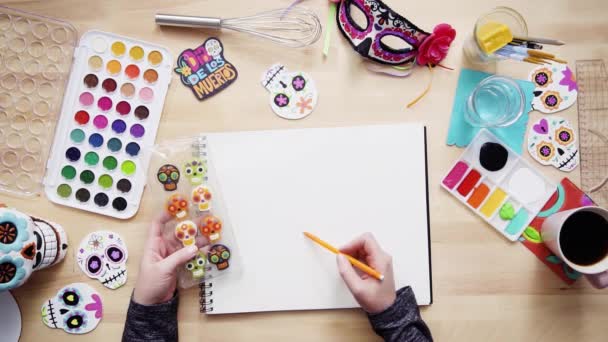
pixel 381 277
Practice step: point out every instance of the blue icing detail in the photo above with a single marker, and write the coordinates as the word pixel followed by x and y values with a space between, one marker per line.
pixel 22 233
pixel 559 202
pixel 19 274
pixel 517 223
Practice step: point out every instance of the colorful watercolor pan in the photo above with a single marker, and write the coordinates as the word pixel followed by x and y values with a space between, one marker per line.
pixel 498 185
pixel 110 112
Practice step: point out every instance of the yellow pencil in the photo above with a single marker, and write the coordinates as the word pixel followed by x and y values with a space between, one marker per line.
pixel 358 264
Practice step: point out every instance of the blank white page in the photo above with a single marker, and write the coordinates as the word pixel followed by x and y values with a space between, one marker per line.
pixel 336 183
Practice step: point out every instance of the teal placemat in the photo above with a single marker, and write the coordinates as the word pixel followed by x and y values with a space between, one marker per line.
pixel 461 132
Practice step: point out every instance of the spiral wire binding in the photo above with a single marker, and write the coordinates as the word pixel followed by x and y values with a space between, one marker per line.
pixel 205 294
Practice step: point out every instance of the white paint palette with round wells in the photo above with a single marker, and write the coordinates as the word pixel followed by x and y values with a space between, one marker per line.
pixel 498 185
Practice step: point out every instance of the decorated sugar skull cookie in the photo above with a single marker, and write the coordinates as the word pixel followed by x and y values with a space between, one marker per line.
pixel 168 176
pixel 197 265
pixel 185 232
pixel 201 197
pixel 102 255
pixel 293 95
pixel 76 308
pixel 556 88
pixel 552 141
pixel 195 171
pixel 219 256
pixel 177 206
pixel 211 228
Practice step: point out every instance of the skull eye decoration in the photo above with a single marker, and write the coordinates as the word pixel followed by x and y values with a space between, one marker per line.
pixel 77 309
pixel 219 256
pixel 211 228
pixel 201 196
pixel 168 176
pixel 552 142
pixel 195 171
pixel 197 265
pixel 556 88
pixel 177 206
pixel 293 95
pixel 185 232
pixel 103 256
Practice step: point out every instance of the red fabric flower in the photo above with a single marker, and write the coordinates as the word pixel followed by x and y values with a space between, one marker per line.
pixel 435 47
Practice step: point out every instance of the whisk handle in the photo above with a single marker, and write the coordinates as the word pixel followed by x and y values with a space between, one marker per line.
pixel 187 21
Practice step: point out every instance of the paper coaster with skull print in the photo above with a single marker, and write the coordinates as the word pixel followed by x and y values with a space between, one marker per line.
pixel 76 308
pixel 293 94
pixel 102 255
pixel 552 141
pixel 556 88
pixel 205 70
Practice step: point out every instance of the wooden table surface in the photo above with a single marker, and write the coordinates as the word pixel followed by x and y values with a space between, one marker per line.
pixel 486 289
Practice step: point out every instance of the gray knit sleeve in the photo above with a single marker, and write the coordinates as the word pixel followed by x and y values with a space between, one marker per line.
pixel 156 323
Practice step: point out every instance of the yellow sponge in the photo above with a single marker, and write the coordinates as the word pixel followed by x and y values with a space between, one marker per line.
pixel 493 36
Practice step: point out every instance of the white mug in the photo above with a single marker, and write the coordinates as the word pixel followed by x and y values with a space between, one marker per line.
pixel 596 273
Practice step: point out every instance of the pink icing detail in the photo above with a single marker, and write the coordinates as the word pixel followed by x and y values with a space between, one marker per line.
pixel 455 175
pixel 95 306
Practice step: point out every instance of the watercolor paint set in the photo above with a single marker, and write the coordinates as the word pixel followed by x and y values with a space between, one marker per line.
pixel 498 185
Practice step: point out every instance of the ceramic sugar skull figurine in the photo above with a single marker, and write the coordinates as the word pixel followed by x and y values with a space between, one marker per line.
pixel 197 265
pixel 556 88
pixel 211 228
pixel 552 141
pixel 185 232
pixel 168 176
pixel 293 95
pixel 102 255
pixel 201 197
pixel 27 244
pixel 195 171
pixel 76 308
pixel 177 206
pixel 219 256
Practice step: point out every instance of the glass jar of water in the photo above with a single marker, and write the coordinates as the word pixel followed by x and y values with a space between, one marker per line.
pixel 497 101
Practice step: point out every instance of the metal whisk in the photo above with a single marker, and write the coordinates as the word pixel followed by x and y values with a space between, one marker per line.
pixel 294 27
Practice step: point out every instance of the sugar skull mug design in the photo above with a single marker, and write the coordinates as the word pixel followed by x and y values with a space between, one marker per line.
pixel 552 141
pixel 293 95
pixel 195 171
pixel 102 255
pixel 197 265
pixel 168 176
pixel 219 256
pixel 556 88
pixel 76 308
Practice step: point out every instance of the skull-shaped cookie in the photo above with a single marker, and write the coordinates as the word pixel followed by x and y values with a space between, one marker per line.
pixel 551 141
pixel 102 255
pixel 168 176
pixel 211 228
pixel 201 197
pixel 185 232
pixel 293 95
pixel 195 171
pixel 556 88
pixel 219 256
pixel 76 308
pixel 197 265
pixel 177 206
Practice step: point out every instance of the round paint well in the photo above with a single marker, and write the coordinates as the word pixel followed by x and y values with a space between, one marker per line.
pixel 68 172
pixel 72 154
pixel 146 94
pixel 82 117
pixel 136 53
pixel 110 163
pixel 109 85
pixel 123 185
pixel 119 126
pixel 64 190
pixel 150 76
pixel 105 181
pixel 137 131
pixel 86 99
pixel 123 107
pixel 104 103
pixel 113 67
pixel 101 199
pixel 114 144
pixel 127 90
pixel 91 158
pixel 96 140
pixel 132 71
pixel 132 149
pixel 91 81
pixel 99 44
pixel 118 49
pixel 128 167
pixel 119 203
pixel 100 121
pixel 95 63
pixel 77 135
pixel 155 58
pixel 142 112
pixel 87 177
pixel 83 195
